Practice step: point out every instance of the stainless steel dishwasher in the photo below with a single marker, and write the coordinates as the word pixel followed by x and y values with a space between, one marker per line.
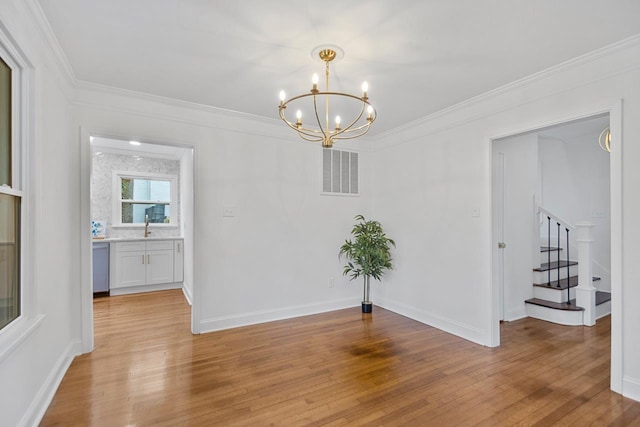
pixel 100 268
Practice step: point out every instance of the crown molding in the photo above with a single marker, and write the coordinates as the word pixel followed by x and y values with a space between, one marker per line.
pixel 51 41
pixel 581 60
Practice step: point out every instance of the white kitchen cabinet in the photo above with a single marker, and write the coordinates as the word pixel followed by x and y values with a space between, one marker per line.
pixel 178 260
pixel 141 263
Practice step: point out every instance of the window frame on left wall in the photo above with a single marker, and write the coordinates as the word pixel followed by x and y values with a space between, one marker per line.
pixel 18 188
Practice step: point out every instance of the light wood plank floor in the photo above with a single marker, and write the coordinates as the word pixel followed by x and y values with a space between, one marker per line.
pixel 338 368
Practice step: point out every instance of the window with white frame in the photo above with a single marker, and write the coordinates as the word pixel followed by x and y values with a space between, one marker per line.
pixel 11 196
pixel 144 197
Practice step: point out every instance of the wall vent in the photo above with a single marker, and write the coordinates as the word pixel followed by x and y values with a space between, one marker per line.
pixel 339 172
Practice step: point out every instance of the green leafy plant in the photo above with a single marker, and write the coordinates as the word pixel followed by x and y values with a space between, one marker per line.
pixel 368 254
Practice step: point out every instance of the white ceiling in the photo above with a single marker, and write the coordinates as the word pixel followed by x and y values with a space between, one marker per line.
pixel 418 56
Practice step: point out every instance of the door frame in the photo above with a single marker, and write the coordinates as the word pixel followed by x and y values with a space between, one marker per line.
pixel 86 242
pixel 615 169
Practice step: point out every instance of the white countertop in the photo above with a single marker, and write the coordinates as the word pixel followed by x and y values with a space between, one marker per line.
pixel 134 239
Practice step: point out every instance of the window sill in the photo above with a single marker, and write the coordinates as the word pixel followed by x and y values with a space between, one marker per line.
pixel 16 333
pixel 151 225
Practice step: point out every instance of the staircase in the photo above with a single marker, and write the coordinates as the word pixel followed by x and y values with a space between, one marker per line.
pixel 554 291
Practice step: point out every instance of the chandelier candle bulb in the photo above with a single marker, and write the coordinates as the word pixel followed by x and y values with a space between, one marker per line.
pixel 369 113
pixel 282 98
pixel 337 122
pixel 298 118
pixel 314 80
pixel 365 88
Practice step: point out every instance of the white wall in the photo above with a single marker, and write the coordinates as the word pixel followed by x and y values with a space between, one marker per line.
pixel 432 174
pixel 275 257
pixel 575 182
pixel 32 361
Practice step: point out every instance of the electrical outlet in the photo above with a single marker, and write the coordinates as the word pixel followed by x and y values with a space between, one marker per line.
pixel 229 211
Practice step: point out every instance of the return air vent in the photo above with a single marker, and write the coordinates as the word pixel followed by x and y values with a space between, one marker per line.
pixel 339 172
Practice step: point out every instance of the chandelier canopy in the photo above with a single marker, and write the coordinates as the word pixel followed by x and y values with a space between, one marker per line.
pixel 317 129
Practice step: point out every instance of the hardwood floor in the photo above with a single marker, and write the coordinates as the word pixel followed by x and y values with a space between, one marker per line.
pixel 337 368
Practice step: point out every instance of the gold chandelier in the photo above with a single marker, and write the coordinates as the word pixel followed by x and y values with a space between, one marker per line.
pixel 604 140
pixel 319 130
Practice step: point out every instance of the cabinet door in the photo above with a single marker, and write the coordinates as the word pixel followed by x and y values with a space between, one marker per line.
pixel 129 269
pixel 159 267
pixel 178 261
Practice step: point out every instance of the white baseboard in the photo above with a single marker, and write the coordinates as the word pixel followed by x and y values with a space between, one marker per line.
pixel 516 314
pixel 187 294
pixel 631 388
pixel 145 288
pixel 468 332
pixel 252 318
pixel 43 398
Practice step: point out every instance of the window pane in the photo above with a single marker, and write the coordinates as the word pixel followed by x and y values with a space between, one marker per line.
pixel 9 259
pixel 147 189
pixel 5 124
pixel 135 213
pixel 127 188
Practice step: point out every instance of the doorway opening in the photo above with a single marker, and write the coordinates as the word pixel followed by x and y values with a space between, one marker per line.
pixel 139 198
pixel 560 166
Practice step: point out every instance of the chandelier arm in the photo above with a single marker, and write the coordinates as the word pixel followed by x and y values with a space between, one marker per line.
pixel 310 133
pixel 346 129
pixel 315 109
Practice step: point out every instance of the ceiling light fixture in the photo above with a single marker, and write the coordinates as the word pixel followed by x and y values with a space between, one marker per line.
pixel 604 140
pixel 134 143
pixel 319 130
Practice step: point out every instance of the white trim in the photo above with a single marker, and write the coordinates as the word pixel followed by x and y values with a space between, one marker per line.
pixel 43 398
pixel 144 288
pixel 631 387
pixel 468 332
pixel 617 228
pixel 187 294
pixel 518 84
pixel 263 316
pixel 16 333
pixel 86 243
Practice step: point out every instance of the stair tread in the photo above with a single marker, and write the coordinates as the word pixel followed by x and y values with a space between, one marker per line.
pixel 555 305
pixel 554 265
pixel 573 282
pixel 549 248
pixel 602 297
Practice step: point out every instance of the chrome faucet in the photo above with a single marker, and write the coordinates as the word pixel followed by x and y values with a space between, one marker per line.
pixel 146 226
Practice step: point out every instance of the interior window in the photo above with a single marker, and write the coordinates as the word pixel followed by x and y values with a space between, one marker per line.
pixel 145 199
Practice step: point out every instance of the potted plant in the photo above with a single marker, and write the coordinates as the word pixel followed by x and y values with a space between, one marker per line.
pixel 368 254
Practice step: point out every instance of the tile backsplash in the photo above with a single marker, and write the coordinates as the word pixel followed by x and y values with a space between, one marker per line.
pixel 102 186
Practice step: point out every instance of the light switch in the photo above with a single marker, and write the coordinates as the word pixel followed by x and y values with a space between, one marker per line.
pixel 475 212
pixel 228 211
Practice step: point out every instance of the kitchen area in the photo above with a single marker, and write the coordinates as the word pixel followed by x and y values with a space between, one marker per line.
pixel 141 204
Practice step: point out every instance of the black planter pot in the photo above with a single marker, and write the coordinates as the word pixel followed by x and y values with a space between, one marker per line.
pixel 367 307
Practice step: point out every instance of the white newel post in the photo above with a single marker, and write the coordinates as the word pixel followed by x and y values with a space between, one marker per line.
pixel 585 292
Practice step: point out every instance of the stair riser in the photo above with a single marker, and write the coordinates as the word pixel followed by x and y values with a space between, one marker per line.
pixel 561 317
pixel 554 257
pixel 541 277
pixel 552 294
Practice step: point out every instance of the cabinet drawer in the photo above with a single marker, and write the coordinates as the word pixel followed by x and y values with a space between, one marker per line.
pixel 129 246
pixel 158 245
